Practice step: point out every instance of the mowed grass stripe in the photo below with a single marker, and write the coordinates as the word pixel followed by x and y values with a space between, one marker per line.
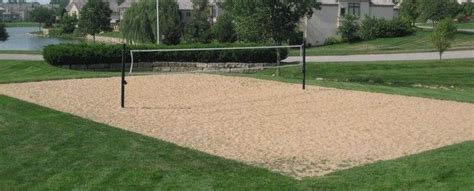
pixel 27 71
pixel 445 80
pixel 420 41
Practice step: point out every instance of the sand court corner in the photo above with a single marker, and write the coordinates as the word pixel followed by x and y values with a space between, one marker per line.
pixel 264 123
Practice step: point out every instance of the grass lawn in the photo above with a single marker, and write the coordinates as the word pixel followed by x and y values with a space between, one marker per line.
pixel 466 25
pixel 21 24
pixel 111 34
pixel 446 80
pixel 21 52
pixel 23 71
pixel 43 149
pixel 418 42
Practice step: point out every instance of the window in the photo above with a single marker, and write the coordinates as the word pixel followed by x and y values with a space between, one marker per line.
pixel 343 11
pixel 354 9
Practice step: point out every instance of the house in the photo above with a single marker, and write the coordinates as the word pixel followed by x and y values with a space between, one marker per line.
pixel 325 22
pixel 75 6
pixel 16 10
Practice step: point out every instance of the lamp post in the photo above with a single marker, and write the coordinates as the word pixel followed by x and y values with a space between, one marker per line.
pixel 157 21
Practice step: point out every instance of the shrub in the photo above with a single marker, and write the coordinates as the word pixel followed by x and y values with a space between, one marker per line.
pixel 296 37
pixel 78 54
pixel 349 28
pixel 333 40
pixel 373 28
pixel 3 33
pixel 55 32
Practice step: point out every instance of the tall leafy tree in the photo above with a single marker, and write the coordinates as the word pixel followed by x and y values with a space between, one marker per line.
pixel 409 10
pixel 42 15
pixel 68 23
pixel 3 32
pixel 443 35
pixel 437 10
pixel 198 29
pixel 95 17
pixel 269 20
pixel 224 29
pixel 139 22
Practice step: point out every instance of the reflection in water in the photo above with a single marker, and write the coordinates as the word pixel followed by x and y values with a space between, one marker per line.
pixel 19 39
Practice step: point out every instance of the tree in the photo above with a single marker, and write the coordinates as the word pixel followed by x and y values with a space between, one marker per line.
pixel 95 17
pixel 349 28
pixel 42 15
pixel 3 33
pixel 68 23
pixel 198 29
pixel 224 29
pixel 443 35
pixel 437 10
pixel 409 10
pixel 468 9
pixel 269 20
pixel 139 22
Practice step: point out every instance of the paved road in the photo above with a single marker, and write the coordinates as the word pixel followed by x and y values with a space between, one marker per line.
pixel 386 57
pixel 34 57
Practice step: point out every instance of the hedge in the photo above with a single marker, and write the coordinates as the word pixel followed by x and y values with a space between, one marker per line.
pixel 373 28
pixel 78 54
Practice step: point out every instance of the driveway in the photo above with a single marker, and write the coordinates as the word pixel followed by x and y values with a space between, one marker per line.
pixel 31 57
pixel 386 57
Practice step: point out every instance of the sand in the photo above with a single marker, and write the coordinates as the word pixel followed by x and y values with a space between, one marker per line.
pixel 263 123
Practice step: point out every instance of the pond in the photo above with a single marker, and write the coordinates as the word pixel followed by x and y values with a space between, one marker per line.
pixel 19 39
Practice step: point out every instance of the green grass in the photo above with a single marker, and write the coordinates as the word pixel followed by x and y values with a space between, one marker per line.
pixel 24 71
pixel 21 24
pixel 111 34
pixel 446 80
pixel 21 52
pixel 418 42
pixel 43 149
pixel 449 168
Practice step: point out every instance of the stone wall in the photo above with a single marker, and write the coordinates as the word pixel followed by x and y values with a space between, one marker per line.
pixel 174 67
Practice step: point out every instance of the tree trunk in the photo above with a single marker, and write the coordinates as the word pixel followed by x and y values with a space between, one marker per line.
pixel 39 27
pixel 93 38
pixel 277 72
pixel 440 55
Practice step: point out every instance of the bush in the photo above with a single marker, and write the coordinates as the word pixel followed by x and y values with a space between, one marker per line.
pixel 55 32
pixel 3 33
pixel 373 28
pixel 333 40
pixel 78 54
pixel 349 28
pixel 296 37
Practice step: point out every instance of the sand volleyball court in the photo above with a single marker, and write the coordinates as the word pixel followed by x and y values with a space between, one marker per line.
pixel 264 123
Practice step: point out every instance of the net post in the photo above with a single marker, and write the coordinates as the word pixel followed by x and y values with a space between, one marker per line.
pixel 304 63
pixel 123 82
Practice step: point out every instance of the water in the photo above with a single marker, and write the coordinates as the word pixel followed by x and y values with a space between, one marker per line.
pixel 19 39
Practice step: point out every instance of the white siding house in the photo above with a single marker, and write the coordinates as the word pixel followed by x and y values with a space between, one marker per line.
pixel 324 22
